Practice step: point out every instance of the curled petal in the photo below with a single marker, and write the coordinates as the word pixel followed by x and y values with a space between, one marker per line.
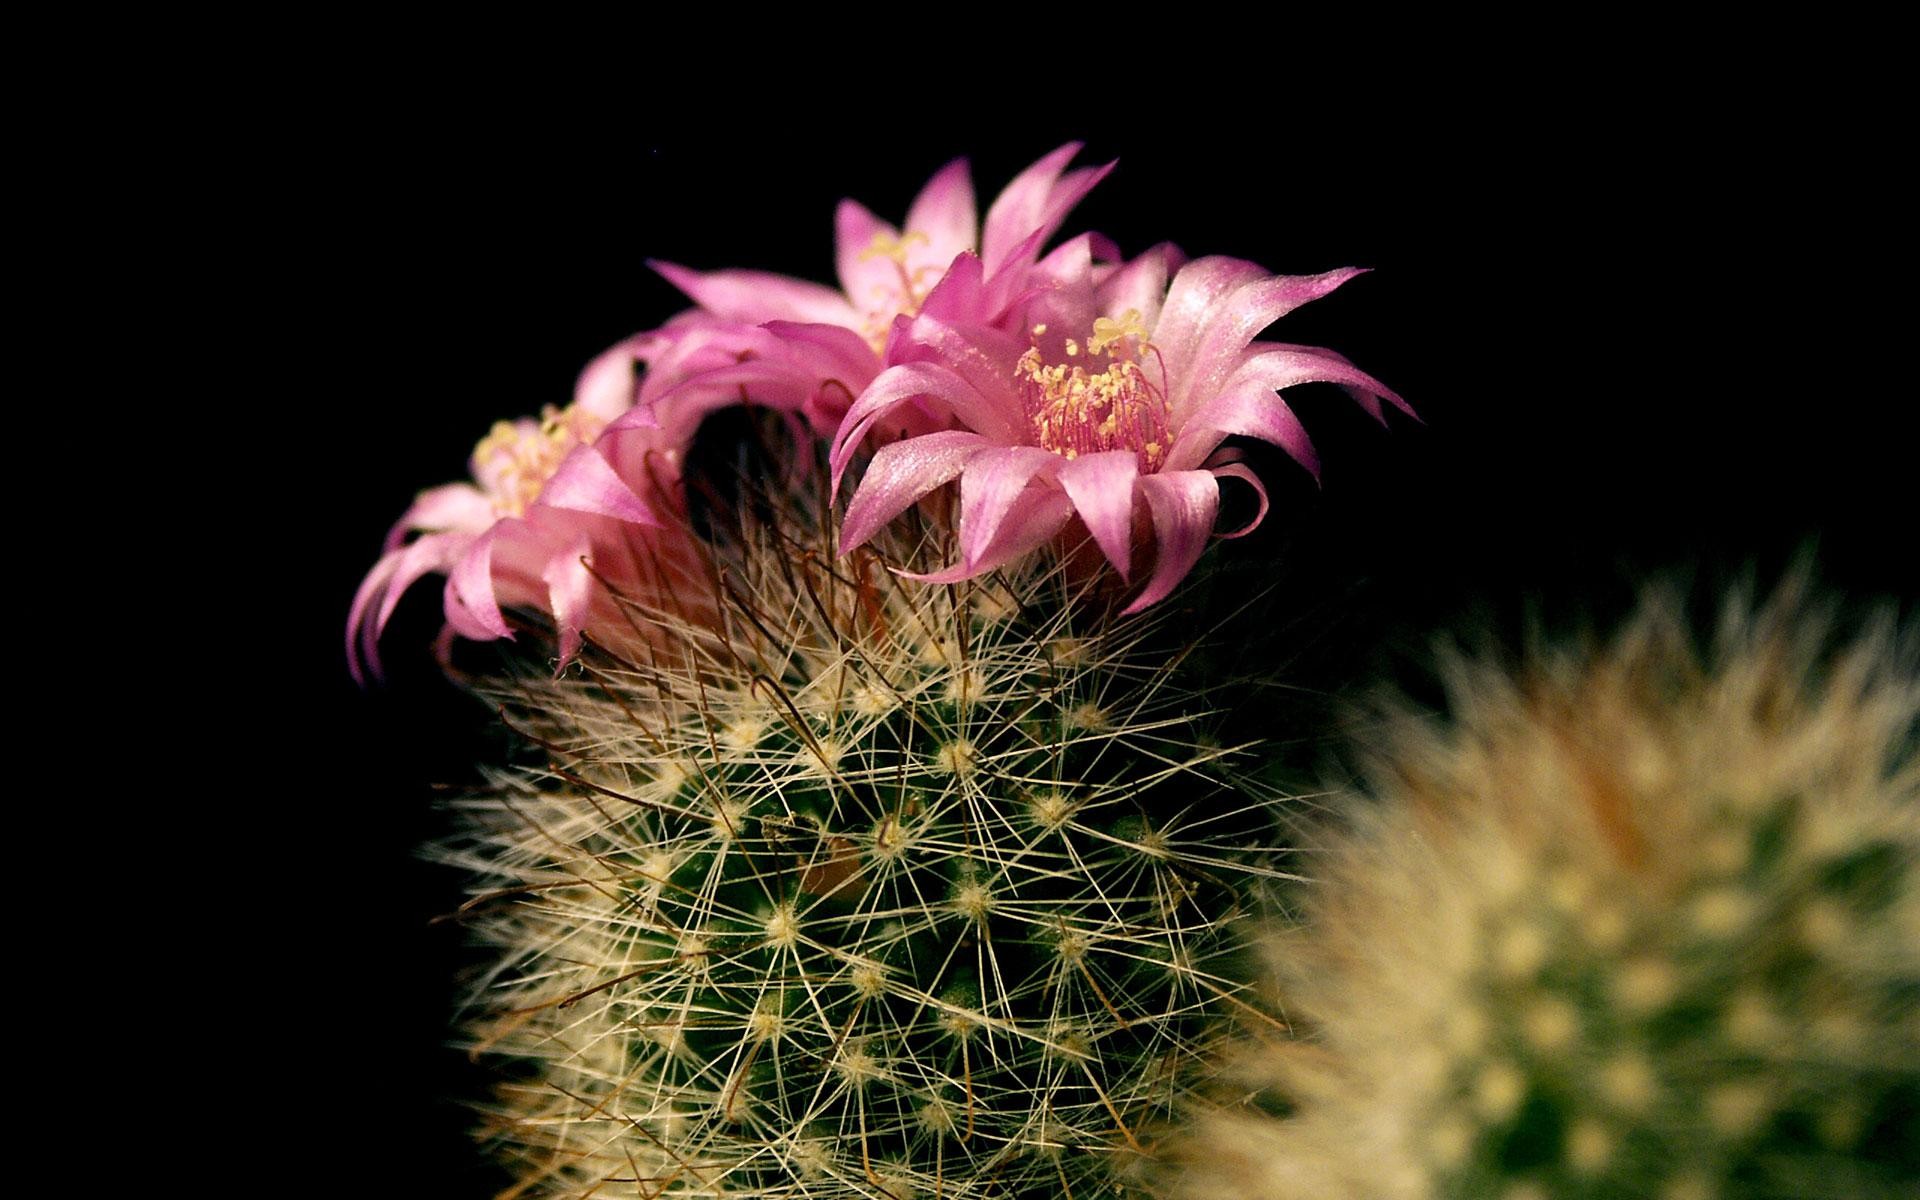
pixel 390 578
pixel 451 508
pixel 900 474
pixel 756 296
pixel 1101 488
pixel 569 589
pixel 585 482
pixel 991 489
pixel 1043 514
pixel 470 605
pixel 1184 505
pixel 1238 471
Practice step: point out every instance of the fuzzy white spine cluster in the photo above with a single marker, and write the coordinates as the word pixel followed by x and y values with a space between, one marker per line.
pixel 1641 922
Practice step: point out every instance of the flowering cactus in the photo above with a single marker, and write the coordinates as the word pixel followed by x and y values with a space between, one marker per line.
pixel 1637 924
pixel 839 873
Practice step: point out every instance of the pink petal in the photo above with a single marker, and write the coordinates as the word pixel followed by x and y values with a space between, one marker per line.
pixel 984 357
pixel 944 211
pixel 992 482
pixel 1140 285
pixel 860 272
pixel 470 604
pixel 756 296
pixel 1041 516
pixel 1035 203
pixel 1190 299
pixel 452 508
pixel 1184 505
pixel 434 552
pixel 1067 306
pixel 585 482
pixel 611 382
pixel 900 474
pixel 396 571
pixel 1234 322
pixel 1247 405
pixel 832 352
pixel 1236 471
pixel 569 589
pixel 1101 488
pixel 994 416
pixel 961 295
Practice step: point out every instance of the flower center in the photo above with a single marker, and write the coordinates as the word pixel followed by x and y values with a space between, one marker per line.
pixel 1107 403
pixel 905 294
pixel 516 458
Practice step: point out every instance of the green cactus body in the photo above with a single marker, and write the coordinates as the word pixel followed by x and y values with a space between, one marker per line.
pixel 880 890
pixel 1636 927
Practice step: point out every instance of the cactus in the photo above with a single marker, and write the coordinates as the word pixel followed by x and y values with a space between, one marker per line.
pixel 875 889
pixel 1639 923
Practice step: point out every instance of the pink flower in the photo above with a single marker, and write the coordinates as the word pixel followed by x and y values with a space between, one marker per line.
pixel 1110 410
pixel 553 503
pixel 943 262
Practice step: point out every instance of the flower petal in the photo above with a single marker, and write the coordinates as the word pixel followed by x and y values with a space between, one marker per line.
pixel 1245 474
pixel 1184 505
pixel 569 590
pixel 1196 288
pixel 944 211
pixel 452 508
pixel 961 294
pixel 585 482
pixel 1101 488
pixel 1246 405
pixel 1234 322
pixel 1036 202
pixel 1043 513
pixel 861 270
pixel 984 357
pixel 1140 285
pixel 470 604
pixel 900 474
pixel 994 417
pixel 390 578
pixel 611 382
pixel 756 296
pixel 990 485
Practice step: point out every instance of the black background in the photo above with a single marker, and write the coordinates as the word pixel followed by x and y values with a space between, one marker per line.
pixel 1649 330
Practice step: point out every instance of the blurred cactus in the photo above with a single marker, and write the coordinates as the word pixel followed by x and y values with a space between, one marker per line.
pixel 1636 923
pixel 877 889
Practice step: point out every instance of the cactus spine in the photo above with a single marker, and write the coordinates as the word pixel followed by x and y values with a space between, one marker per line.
pixel 1639 924
pixel 876 889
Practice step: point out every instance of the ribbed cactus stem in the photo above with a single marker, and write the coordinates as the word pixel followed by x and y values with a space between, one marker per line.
pixel 879 889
